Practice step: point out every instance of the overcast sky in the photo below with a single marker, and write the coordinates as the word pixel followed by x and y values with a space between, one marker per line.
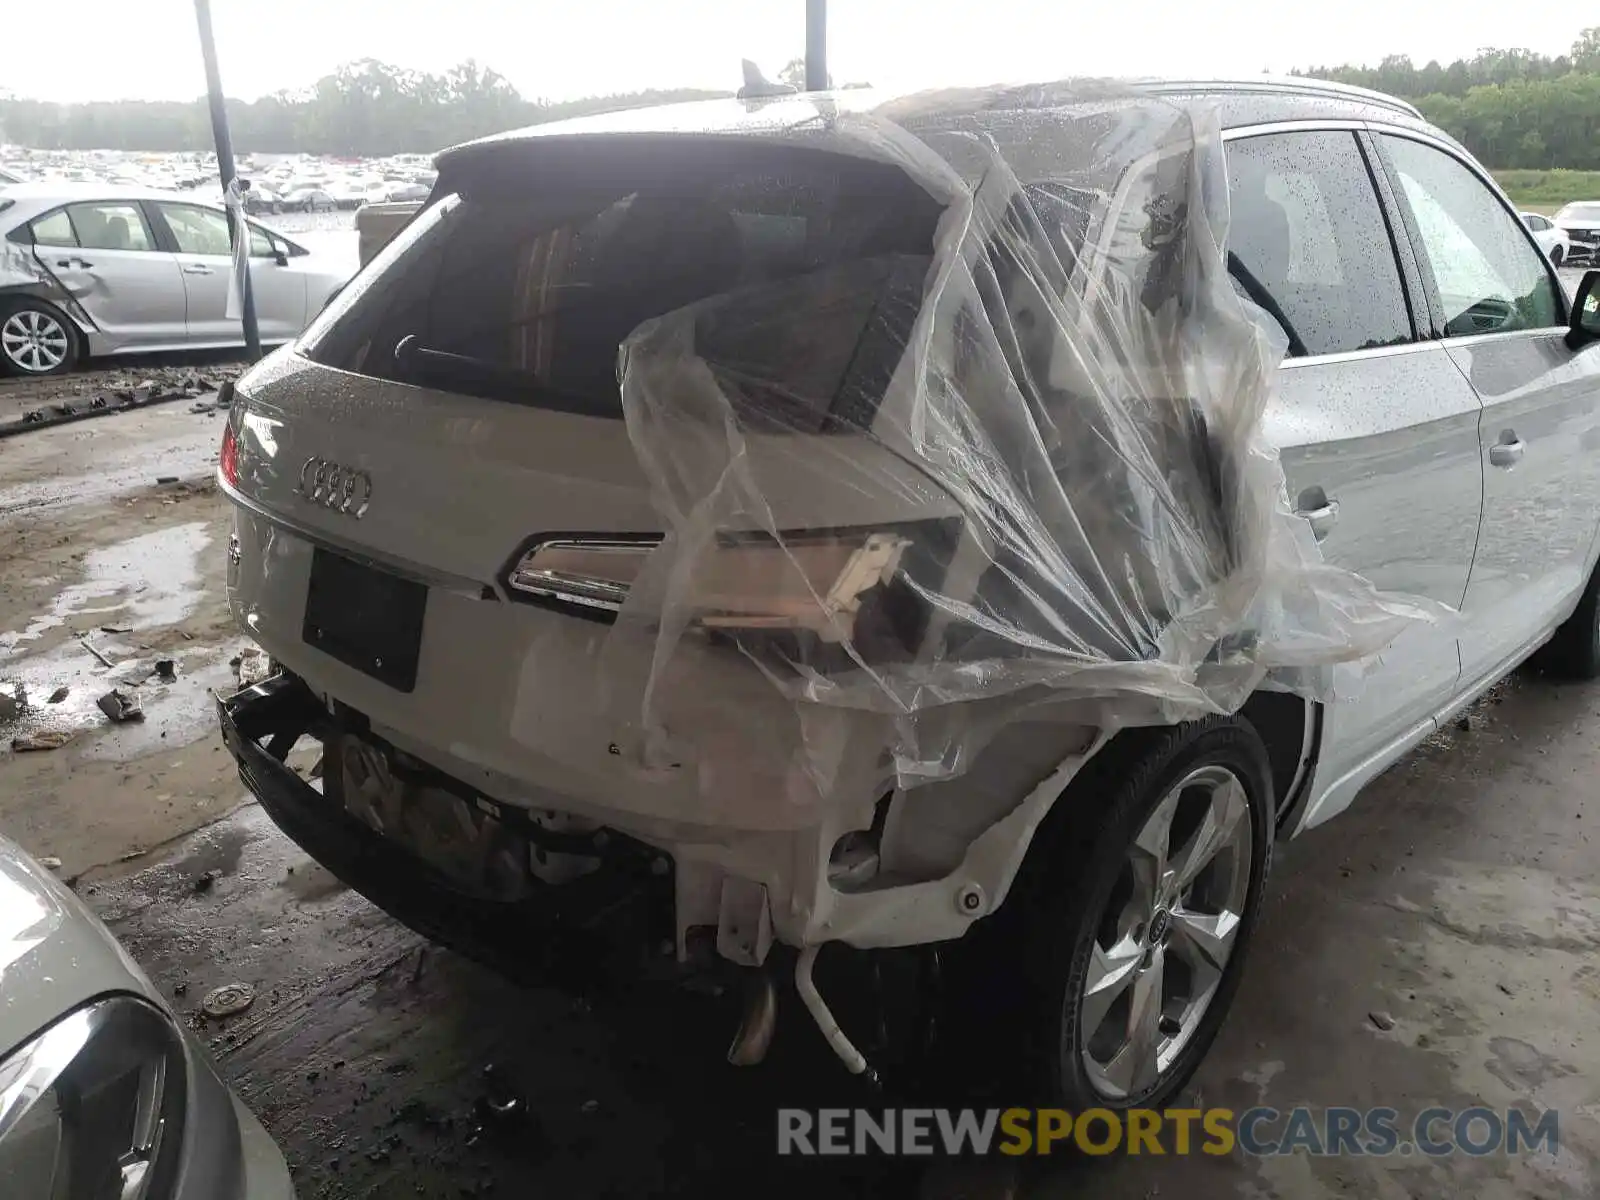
pixel 112 49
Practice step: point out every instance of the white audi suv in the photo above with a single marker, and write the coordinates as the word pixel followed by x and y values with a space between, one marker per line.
pixel 733 530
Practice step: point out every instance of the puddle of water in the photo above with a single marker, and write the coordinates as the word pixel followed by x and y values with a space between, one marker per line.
pixel 150 581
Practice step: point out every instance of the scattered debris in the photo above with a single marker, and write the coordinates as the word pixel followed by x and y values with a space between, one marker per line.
pixel 228 999
pixel 60 694
pixel 180 989
pixel 131 855
pixel 1382 1020
pixel 167 478
pixel 120 706
pixel 1464 723
pixel 589 1107
pixel 203 882
pixel 1505 988
pixel 97 652
pixel 500 1101
pixel 45 739
pixel 50 862
pixel 166 669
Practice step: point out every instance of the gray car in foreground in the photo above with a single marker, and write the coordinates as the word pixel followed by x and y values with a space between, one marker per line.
pixel 93 269
pixel 102 1092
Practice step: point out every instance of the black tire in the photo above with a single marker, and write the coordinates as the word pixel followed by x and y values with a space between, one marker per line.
pixel 23 314
pixel 1556 256
pixel 1068 883
pixel 1573 651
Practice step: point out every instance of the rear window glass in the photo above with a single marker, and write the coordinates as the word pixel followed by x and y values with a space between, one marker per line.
pixel 520 286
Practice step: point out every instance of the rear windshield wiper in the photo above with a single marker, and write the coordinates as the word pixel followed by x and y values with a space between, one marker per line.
pixel 492 380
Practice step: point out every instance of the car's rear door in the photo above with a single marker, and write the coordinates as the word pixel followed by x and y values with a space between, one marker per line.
pixel 1377 429
pixel 107 256
pixel 1501 313
pixel 204 254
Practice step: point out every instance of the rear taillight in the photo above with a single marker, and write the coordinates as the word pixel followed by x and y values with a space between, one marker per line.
pixel 228 460
pixel 818 598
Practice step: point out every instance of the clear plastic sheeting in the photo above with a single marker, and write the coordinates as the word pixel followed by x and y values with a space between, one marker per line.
pixel 1015 470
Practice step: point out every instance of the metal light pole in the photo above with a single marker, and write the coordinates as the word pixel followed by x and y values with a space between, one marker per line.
pixel 219 132
pixel 816 45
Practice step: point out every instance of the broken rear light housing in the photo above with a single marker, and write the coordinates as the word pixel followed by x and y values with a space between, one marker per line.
pixel 799 593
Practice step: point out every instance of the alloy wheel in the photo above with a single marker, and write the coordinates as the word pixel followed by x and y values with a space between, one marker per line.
pixel 1167 933
pixel 34 341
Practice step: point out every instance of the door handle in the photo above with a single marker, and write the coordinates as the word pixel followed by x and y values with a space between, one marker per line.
pixel 1507 452
pixel 197 269
pixel 67 262
pixel 1316 510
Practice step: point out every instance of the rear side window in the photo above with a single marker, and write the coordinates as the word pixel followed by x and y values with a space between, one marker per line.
pixel 54 230
pixel 111 226
pixel 1307 241
pixel 521 284
pixel 1486 272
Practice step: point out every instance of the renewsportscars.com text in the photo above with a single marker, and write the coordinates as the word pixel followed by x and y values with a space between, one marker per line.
pixel 1432 1132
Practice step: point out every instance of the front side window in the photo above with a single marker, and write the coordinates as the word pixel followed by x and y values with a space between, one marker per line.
pixel 197 230
pixel 1488 276
pixel 1307 242
pixel 1535 222
pixel 110 227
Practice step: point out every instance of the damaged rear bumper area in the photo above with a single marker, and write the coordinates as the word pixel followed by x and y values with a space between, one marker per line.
pixel 615 914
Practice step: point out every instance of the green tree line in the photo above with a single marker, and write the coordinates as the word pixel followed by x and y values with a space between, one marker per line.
pixel 363 108
pixel 1512 108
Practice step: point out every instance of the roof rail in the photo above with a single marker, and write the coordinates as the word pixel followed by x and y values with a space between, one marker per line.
pixel 1294 83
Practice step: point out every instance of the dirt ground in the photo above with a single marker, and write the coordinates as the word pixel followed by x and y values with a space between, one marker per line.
pixel 1457 898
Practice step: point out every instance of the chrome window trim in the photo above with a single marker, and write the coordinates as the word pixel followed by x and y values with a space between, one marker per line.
pixel 1299 125
pixel 1473 339
pixel 1314 360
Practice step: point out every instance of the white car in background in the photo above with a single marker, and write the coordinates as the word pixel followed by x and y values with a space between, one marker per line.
pixel 92 269
pixel 1580 221
pixel 1552 239
pixel 102 1092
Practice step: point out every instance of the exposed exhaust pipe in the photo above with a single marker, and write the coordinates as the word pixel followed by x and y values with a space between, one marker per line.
pixel 760 1018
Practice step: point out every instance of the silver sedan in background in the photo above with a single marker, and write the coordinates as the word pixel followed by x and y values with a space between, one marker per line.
pixel 92 269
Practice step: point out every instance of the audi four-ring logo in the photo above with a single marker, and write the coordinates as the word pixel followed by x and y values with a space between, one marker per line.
pixel 337 488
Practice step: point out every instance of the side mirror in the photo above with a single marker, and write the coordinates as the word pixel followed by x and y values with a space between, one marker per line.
pixel 280 253
pixel 1585 325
